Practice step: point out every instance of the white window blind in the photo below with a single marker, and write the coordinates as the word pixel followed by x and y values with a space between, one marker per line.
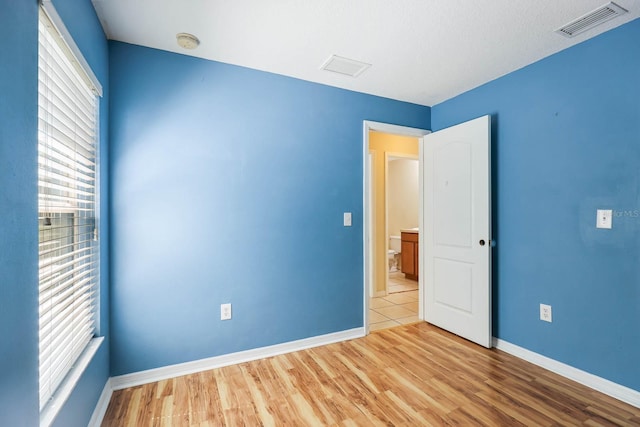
pixel 67 200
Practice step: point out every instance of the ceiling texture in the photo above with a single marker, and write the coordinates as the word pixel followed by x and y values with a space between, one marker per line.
pixel 420 51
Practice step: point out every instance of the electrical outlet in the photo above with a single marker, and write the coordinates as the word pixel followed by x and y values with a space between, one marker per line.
pixel 545 312
pixel 603 218
pixel 225 311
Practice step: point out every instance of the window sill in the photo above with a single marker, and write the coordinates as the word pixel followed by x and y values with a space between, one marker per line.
pixel 51 409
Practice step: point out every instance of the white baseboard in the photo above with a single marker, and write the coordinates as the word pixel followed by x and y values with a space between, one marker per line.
pixel 158 374
pixel 103 404
pixel 620 392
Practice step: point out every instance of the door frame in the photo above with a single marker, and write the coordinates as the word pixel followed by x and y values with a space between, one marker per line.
pixel 367 246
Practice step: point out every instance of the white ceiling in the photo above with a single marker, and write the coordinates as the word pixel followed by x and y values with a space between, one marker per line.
pixel 421 51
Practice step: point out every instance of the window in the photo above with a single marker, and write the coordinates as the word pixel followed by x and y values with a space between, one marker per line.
pixel 67 202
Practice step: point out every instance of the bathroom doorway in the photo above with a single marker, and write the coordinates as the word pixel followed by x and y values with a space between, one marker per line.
pixel 402 197
pixel 391 298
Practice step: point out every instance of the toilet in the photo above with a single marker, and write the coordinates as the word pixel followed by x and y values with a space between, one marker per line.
pixel 393 254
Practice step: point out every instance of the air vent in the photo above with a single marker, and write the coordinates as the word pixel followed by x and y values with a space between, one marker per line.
pixel 345 66
pixel 591 19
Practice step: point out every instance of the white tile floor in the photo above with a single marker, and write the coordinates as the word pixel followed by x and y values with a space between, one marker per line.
pixel 399 307
pixel 398 283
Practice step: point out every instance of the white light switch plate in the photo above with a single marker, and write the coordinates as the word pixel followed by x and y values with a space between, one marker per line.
pixel 603 218
pixel 347 219
pixel 225 311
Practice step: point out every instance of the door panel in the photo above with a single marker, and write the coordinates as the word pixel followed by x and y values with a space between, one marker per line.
pixel 452 192
pixel 457 218
pixel 452 284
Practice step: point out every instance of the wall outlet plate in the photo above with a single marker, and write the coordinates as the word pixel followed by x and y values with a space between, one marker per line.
pixel 545 312
pixel 604 218
pixel 225 311
pixel 347 219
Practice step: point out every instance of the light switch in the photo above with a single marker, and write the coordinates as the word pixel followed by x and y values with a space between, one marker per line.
pixel 604 217
pixel 347 219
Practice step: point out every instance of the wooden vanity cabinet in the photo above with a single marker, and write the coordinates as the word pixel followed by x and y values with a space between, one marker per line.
pixel 409 255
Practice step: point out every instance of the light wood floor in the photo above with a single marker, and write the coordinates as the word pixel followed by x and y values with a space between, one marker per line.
pixel 413 375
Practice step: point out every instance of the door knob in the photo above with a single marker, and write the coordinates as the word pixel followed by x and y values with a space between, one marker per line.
pixel 482 242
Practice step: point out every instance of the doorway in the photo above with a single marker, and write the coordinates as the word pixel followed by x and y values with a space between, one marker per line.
pixel 402 200
pixel 455 208
pixel 376 253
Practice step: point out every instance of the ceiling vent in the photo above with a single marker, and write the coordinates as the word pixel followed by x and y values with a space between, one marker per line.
pixel 591 19
pixel 345 66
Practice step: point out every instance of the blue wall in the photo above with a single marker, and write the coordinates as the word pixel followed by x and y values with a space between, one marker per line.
pixel 566 142
pixel 229 185
pixel 18 210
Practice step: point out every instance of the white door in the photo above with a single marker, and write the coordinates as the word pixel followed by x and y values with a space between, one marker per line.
pixel 456 232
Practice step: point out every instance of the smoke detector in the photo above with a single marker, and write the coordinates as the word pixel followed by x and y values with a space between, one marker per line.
pixel 591 19
pixel 187 41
